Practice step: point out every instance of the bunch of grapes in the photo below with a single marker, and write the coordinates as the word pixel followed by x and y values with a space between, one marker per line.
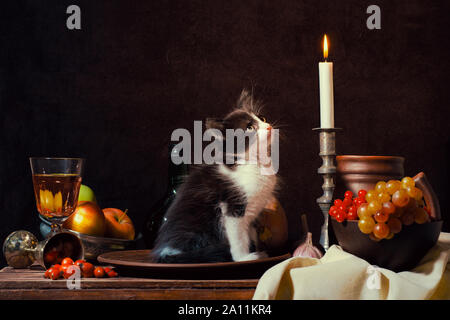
pixel 389 206
pixel 347 209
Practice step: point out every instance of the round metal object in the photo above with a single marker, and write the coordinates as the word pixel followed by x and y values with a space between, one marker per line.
pixel 19 249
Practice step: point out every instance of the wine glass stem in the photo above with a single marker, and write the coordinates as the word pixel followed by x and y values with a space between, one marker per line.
pixel 56 227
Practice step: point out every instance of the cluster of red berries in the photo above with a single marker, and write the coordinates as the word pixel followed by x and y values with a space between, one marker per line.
pixel 85 269
pixel 347 209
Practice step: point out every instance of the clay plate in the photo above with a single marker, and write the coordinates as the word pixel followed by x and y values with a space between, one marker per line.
pixel 135 263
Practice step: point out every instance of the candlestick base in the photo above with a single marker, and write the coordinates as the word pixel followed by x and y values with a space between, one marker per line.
pixel 327 143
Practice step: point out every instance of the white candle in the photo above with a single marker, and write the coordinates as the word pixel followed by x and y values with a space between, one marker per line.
pixel 326 90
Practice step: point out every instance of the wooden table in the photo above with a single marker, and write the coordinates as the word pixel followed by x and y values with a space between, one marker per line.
pixel 31 284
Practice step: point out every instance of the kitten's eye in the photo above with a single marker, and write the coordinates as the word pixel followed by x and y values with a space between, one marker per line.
pixel 263 119
pixel 250 127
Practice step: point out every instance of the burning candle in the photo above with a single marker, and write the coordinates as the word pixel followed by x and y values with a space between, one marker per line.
pixel 326 89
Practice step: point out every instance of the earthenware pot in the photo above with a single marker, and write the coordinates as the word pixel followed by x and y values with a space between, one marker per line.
pixel 363 172
pixel 408 247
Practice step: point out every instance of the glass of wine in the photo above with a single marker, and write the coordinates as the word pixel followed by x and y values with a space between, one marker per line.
pixel 56 183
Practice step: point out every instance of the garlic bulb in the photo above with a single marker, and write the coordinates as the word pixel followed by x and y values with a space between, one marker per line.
pixel 307 249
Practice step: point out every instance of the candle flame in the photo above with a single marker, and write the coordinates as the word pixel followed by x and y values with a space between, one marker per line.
pixel 325 47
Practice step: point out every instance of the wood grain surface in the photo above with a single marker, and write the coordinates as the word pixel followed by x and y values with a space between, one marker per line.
pixel 31 284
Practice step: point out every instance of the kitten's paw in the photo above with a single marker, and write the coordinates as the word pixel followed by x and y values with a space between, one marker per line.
pixel 254 256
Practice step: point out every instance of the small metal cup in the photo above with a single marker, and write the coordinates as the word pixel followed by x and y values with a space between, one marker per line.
pixel 21 249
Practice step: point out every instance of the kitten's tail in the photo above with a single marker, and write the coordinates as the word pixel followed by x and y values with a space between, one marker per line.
pixel 204 255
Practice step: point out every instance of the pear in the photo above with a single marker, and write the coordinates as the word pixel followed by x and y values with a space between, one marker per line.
pixel 86 194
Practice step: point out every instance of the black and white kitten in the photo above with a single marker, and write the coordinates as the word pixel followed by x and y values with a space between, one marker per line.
pixel 212 217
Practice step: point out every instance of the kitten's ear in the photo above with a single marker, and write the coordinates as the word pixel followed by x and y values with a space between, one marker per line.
pixel 247 103
pixel 214 123
pixel 245 100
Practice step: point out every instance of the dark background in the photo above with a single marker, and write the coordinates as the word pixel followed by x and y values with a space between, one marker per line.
pixel 114 91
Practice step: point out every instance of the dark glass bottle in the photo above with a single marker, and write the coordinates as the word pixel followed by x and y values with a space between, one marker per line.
pixel 155 217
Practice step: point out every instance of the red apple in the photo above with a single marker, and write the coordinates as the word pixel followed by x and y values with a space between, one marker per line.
pixel 118 224
pixel 88 218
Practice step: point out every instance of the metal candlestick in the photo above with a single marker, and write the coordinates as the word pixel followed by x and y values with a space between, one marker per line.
pixel 327 138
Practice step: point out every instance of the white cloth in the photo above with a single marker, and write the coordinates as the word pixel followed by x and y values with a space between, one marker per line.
pixel 341 275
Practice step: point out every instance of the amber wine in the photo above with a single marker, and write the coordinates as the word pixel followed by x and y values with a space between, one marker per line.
pixel 56 194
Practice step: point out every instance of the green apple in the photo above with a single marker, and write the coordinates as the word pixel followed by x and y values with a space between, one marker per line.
pixel 86 194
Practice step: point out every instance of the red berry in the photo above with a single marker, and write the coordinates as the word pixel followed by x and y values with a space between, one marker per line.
pixel 79 262
pixel 70 270
pixel 68 261
pixel 347 202
pixel 337 202
pixel 99 272
pixel 353 210
pixel 331 209
pixel 64 267
pixel 333 213
pixel 359 202
pixel 54 273
pixel 57 266
pixel 348 194
pixel 87 270
pixel 340 216
pixel 352 213
pixel 362 194
pixel 107 269
pixel 112 274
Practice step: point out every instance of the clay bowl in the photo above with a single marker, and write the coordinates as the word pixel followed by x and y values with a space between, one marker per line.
pixel 408 247
pixel 401 253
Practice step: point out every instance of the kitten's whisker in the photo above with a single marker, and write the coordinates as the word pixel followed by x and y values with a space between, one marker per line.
pixel 276 124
